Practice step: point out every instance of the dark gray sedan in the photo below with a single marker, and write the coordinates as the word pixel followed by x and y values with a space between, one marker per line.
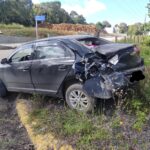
pixel 77 68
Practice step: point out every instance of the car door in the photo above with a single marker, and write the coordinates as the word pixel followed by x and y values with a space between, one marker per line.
pixel 52 64
pixel 17 70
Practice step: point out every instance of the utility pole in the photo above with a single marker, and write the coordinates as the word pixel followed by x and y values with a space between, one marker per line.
pixel 148 7
pixel 147 14
pixel 145 20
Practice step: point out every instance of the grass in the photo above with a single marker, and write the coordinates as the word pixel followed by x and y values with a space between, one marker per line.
pixel 30 32
pixel 69 125
pixel 20 30
pixel 97 130
pixel 145 53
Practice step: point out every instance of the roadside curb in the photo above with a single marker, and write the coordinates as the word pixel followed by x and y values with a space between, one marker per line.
pixel 41 142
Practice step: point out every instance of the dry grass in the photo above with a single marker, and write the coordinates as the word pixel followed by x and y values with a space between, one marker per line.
pixel 41 141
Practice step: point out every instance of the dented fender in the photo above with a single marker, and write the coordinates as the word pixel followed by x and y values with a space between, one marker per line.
pixel 104 87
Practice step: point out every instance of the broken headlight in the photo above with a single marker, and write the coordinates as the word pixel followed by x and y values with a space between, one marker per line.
pixel 114 60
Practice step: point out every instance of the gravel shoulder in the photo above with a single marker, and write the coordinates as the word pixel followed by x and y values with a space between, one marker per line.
pixel 13 135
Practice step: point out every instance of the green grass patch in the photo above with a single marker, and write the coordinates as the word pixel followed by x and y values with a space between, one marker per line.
pixel 11 26
pixel 94 131
pixel 145 53
pixel 20 30
pixel 80 128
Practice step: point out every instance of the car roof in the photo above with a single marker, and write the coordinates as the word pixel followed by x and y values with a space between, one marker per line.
pixel 69 37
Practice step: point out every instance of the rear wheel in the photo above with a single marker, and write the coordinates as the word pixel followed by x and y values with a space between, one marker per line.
pixel 77 99
pixel 3 90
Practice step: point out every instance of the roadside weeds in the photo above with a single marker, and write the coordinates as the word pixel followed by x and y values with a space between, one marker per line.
pixel 41 142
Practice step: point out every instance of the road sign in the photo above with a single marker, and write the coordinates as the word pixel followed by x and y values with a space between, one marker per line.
pixel 40 18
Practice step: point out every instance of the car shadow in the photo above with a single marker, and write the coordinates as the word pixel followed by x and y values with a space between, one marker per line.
pixel 106 107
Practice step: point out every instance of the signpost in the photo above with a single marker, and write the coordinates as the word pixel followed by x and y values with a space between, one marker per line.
pixel 39 18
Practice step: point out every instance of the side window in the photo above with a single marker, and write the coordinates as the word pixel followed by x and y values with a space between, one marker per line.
pixel 24 54
pixel 50 51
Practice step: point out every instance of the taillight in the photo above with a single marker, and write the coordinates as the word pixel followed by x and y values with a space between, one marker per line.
pixel 137 50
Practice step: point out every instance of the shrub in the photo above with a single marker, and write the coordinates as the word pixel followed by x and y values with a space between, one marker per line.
pixel 11 26
pixel 146 41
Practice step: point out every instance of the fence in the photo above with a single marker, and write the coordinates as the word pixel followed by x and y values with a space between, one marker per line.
pixel 130 39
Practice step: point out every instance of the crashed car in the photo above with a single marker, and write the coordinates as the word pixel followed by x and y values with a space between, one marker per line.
pixel 80 69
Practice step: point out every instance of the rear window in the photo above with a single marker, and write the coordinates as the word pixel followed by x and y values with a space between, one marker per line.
pixel 93 41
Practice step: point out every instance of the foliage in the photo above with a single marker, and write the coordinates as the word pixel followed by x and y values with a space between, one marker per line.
pixel 146 41
pixel 106 24
pixel 55 14
pixel 136 29
pixel 123 27
pixel 101 26
pixel 11 26
pixel 145 51
pixel 30 31
pixel 23 12
pixel 12 11
pixel 76 18
pixel 53 11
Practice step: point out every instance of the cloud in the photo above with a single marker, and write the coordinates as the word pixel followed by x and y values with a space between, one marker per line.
pixel 89 7
pixel 35 1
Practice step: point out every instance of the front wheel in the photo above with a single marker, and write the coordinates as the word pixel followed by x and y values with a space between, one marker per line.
pixel 77 99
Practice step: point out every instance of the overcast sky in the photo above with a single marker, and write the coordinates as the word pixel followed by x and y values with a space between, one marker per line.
pixel 115 11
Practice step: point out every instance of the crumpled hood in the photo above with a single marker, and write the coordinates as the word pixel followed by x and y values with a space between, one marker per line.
pixel 113 48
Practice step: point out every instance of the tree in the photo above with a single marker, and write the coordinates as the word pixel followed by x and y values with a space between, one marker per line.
pixel 99 28
pixel 53 11
pixel 77 19
pixel 148 7
pixel 106 24
pixel 123 28
pixel 73 14
pixel 136 29
pixel 17 11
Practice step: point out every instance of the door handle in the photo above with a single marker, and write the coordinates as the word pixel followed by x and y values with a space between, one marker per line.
pixel 23 69
pixel 62 68
pixel 26 69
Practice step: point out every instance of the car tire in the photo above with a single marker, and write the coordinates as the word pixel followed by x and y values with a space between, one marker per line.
pixel 77 99
pixel 3 90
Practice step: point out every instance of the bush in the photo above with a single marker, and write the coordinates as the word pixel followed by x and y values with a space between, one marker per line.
pixel 11 26
pixel 146 41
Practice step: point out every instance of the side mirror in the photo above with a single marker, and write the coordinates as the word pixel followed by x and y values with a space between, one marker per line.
pixel 4 61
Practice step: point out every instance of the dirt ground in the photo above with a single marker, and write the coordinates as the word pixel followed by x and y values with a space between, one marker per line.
pixel 13 135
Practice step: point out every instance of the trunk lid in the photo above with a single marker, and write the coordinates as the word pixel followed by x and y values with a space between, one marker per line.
pixel 128 59
pixel 109 50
